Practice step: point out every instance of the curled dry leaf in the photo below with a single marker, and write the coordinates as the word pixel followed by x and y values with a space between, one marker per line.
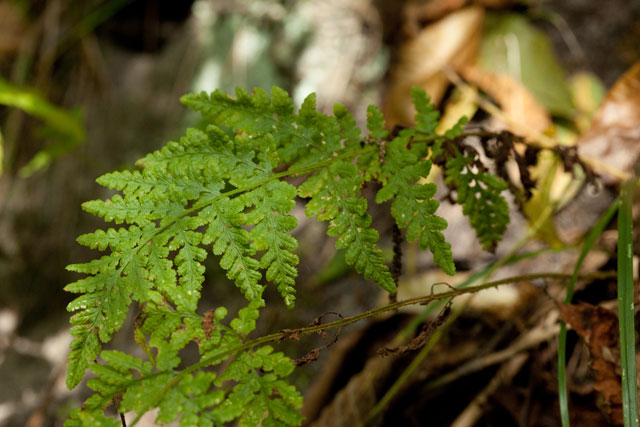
pixel 452 41
pixel 421 339
pixel 614 136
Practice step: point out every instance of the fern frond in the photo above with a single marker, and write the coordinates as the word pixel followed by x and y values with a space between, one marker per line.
pixel 254 114
pixel 96 417
pixel 478 190
pixel 259 398
pixel 121 240
pixel 103 306
pixel 227 189
pixel 299 139
pixel 305 139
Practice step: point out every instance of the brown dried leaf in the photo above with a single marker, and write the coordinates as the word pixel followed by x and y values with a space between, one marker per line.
pixel 599 329
pixel 517 102
pixel 290 334
pixel 614 136
pixel 452 41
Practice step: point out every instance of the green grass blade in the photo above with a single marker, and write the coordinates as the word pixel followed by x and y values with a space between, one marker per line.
pixel 30 102
pixel 562 337
pixel 625 307
pixel 63 126
pixel 563 398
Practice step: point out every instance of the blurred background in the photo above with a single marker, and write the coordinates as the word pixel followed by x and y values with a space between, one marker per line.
pixel 89 87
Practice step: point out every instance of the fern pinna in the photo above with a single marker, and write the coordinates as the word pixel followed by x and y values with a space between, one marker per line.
pixel 224 189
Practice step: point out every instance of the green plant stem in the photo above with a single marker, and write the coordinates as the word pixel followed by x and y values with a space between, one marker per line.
pixel 625 306
pixel 32 103
pixel 282 335
pixel 563 396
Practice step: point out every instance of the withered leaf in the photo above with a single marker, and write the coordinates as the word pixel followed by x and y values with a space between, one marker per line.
pixel 614 136
pixel 599 329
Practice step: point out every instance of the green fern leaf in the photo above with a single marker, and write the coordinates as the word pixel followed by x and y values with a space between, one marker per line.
pixel 259 394
pixel 413 205
pixel 80 418
pixel 258 115
pixel 246 320
pixel 190 399
pixel 375 123
pixel 426 114
pixel 334 198
pixel 225 220
pixel 103 307
pixel 479 194
pixel 259 397
pixel 120 241
pixel 272 204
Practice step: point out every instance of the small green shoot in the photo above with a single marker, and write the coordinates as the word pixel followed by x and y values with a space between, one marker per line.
pixel 625 306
